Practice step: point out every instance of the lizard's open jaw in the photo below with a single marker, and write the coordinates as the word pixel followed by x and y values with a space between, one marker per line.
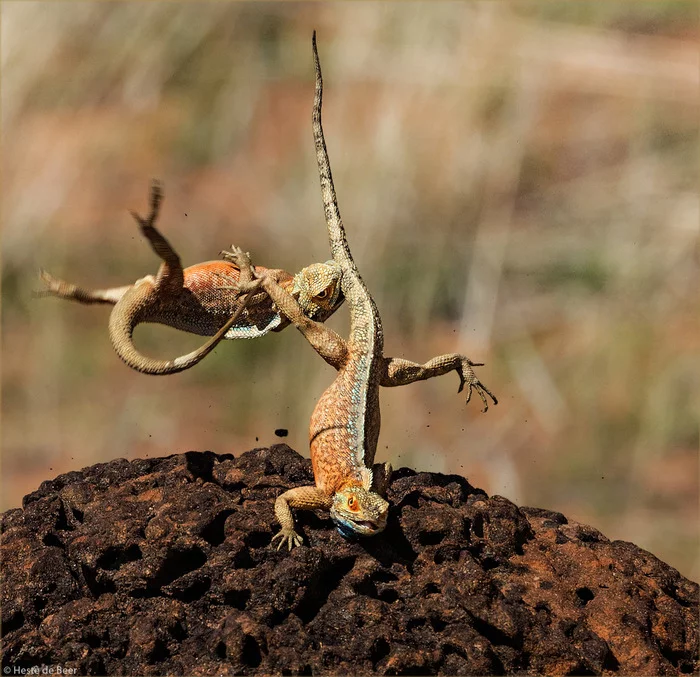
pixel 353 529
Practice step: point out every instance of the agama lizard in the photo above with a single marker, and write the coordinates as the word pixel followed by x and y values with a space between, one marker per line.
pixel 196 301
pixel 344 427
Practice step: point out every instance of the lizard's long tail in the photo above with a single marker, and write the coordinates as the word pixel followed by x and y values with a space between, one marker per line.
pixel 125 317
pixel 336 231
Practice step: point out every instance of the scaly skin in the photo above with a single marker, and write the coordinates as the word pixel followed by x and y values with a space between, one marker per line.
pixel 345 424
pixel 199 300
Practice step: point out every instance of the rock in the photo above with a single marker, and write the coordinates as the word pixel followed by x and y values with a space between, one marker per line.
pixel 164 566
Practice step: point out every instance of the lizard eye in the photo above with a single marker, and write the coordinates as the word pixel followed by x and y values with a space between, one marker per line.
pixel 352 503
pixel 322 294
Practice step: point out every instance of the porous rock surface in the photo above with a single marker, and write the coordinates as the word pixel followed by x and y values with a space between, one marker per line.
pixel 164 566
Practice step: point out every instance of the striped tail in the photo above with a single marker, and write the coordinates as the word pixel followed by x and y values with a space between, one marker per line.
pixel 336 231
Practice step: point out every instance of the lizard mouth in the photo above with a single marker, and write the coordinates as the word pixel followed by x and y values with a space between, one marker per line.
pixel 355 529
pixel 366 524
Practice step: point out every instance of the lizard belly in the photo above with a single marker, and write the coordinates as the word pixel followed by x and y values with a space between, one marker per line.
pixel 337 440
pixel 207 301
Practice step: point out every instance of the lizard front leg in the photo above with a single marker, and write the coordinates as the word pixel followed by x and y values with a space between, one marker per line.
pixel 399 372
pixel 327 343
pixel 303 498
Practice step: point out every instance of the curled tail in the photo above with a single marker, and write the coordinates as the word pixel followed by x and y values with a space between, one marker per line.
pixel 127 314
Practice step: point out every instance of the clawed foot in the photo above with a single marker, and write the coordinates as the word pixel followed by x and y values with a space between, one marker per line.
pixel 468 377
pixel 53 286
pixel 248 280
pixel 156 197
pixel 291 537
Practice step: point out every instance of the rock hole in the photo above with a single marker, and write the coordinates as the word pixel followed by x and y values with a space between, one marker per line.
pixel 431 537
pixel 446 554
pixel 220 650
pixel 178 563
pixel 585 595
pixel 388 595
pixel 431 589
pixel 213 533
pixel 676 658
pixel 258 539
pixel 114 557
pixel 93 640
pixel 237 598
pixel 61 523
pixel 52 540
pixel 384 577
pixel 196 590
pixel 478 525
pixel 496 636
pixel 489 563
pixel 438 624
pixel 567 627
pixel 243 560
pixel 160 652
pixel 415 623
pixel 251 655
pixel 412 499
pixel 611 663
pixel 366 587
pixel 380 649
pixel 178 632
pixel 14 622
pixel 200 464
pixel 316 596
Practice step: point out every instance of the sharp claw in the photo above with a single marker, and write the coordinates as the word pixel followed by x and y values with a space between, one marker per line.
pixel 483 399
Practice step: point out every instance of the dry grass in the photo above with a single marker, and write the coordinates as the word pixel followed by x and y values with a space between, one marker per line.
pixel 519 183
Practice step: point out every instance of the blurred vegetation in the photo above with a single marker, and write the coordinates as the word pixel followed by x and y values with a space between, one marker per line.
pixel 519 183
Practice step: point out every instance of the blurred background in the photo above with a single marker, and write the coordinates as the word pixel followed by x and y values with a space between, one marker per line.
pixel 518 182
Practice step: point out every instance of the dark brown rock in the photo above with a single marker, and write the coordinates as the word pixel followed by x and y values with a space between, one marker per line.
pixel 164 566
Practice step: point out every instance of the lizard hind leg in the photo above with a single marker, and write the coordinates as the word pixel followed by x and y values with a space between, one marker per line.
pixel 133 307
pixel 381 478
pixel 170 275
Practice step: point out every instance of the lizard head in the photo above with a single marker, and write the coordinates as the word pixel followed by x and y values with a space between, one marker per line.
pixel 317 288
pixel 359 512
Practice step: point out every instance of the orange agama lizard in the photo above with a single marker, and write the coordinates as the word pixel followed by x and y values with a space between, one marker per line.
pixel 195 300
pixel 344 427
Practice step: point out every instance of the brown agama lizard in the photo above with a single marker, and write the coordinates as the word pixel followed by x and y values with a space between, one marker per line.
pixel 345 424
pixel 198 300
